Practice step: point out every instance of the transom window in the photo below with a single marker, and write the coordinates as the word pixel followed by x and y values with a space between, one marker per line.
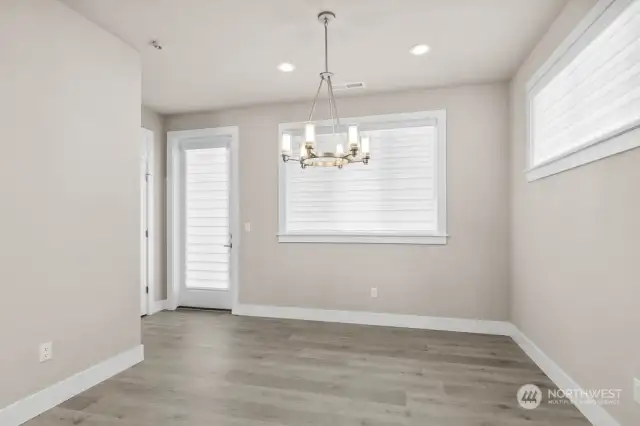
pixel 589 94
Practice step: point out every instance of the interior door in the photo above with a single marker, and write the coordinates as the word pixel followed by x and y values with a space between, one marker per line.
pixel 207 238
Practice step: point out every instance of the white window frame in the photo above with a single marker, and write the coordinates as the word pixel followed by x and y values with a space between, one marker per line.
pixel 598 18
pixel 437 118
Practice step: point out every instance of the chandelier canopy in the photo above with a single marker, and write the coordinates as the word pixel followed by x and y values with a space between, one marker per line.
pixel 357 147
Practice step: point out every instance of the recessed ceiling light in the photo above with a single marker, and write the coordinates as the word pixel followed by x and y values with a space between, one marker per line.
pixel 286 67
pixel 419 49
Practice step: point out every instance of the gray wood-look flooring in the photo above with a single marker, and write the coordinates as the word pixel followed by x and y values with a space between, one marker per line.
pixel 215 369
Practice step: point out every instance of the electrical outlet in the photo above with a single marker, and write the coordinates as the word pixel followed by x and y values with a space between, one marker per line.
pixel 636 390
pixel 46 351
pixel 247 226
pixel 374 292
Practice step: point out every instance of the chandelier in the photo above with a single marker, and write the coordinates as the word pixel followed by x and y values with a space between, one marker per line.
pixel 357 147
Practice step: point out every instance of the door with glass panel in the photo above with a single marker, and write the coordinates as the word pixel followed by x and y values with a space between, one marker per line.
pixel 207 238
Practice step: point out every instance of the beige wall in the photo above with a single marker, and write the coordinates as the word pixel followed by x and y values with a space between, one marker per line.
pixel 466 278
pixel 69 222
pixel 576 247
pixel 155 122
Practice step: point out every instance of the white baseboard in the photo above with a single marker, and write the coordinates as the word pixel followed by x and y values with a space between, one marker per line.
pixel 502 328
pixel 157 306
pixel 36 404
pixel 595 413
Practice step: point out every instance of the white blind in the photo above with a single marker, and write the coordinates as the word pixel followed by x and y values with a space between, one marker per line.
pixel 595 96
pixel 207 218
pixel 394 194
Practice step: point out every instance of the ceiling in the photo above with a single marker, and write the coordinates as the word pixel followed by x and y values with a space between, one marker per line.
pixel 223 53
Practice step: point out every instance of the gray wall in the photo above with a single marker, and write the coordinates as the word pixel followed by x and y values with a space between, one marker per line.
pixel 468 278
pixel 155 122
pixel 69 251
pixel 576 247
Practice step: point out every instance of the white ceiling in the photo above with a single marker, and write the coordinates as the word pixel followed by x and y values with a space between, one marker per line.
pixel 222 53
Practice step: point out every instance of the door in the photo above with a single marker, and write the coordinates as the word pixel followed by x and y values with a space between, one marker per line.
pixel 206 279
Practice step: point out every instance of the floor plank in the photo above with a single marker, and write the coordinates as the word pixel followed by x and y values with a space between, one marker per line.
pixel 209 368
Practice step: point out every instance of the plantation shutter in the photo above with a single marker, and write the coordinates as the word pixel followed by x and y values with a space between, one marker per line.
pixel 595 96
pixel 207 218
pixel 394 194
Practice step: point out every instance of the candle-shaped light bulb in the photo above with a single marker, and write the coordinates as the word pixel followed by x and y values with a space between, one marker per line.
pixel 286 143
pixel 353 136
pixel 310 133
pixel 303 150
pixel 339 150
pixel 366 148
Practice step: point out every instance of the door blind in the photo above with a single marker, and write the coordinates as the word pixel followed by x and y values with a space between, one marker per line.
pixel 394 194
pixel 595 96
pixel 207 218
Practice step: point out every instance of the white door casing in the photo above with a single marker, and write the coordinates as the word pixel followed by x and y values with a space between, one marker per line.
pixel 146 221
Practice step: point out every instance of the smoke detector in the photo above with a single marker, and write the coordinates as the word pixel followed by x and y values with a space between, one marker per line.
pixel 155 44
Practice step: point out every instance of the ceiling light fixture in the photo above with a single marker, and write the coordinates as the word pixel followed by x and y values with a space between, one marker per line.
pixel 286 67
pixel 419 49
pixel 357 149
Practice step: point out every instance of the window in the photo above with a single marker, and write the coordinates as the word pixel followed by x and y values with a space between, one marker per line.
pixel 586 99
pixel 399 197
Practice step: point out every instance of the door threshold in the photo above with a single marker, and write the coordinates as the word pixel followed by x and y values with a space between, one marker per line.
pixel 195 308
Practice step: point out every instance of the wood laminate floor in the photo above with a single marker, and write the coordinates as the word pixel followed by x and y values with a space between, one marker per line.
pixel 213 369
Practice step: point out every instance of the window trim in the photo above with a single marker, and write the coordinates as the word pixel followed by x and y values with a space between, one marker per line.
pixel 598 18
pixel 439 119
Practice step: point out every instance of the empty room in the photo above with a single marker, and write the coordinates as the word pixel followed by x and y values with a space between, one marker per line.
pixel 320 212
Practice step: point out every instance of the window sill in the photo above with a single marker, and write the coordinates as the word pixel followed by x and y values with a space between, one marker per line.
pixel 589 154
pixel 365 239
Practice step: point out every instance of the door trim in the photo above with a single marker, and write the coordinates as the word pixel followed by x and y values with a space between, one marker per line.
pixel 147 146
pixel 175 221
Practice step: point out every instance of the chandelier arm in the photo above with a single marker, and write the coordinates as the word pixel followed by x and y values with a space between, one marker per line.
pixel 332 101
pixel 315 100
pixel 331 107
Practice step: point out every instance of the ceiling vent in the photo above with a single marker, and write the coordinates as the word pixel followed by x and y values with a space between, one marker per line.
pixel 349 86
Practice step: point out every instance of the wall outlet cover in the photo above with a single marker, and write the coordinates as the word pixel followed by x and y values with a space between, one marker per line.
pixel 374 292
pixel 636 390
pixel 46 351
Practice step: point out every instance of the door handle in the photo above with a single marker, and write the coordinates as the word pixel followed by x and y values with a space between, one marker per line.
pixel 229 245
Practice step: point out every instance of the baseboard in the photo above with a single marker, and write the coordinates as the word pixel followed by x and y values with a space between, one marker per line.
pixel 595 413
pixel 502 328
pixel 36 404
pixel 157 306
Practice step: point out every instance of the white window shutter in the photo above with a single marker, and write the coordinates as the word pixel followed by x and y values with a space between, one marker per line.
pixel 597 95
pixel 395 194
pixel 207 218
